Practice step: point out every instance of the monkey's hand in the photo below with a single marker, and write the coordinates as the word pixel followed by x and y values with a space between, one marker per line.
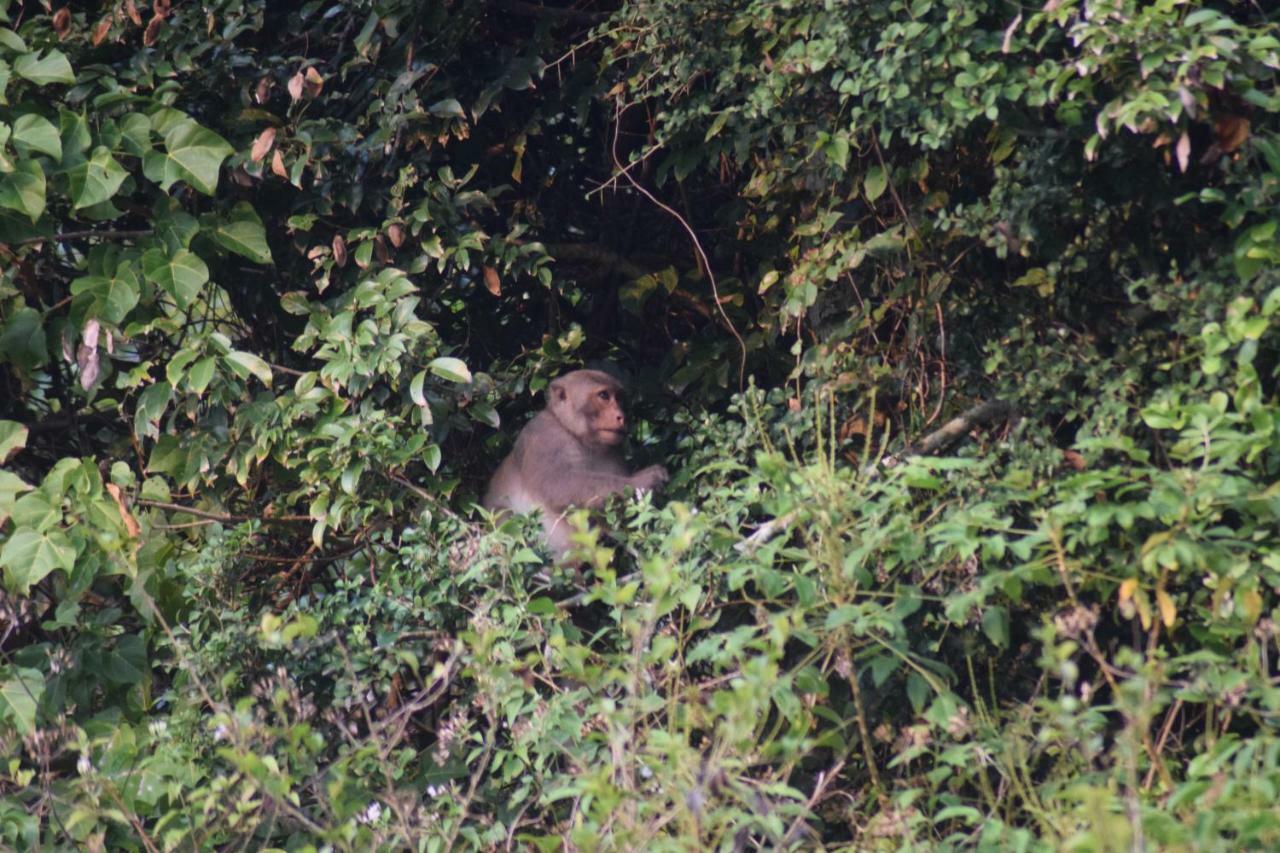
pixel 648 479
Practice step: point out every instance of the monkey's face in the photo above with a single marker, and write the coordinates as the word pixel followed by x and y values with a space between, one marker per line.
pixel 588 403
pixel 603 412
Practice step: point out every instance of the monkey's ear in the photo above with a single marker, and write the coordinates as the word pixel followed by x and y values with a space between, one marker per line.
pixel 557 392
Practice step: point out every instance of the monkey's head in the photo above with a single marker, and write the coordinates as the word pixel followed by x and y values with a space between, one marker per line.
pixel 588 404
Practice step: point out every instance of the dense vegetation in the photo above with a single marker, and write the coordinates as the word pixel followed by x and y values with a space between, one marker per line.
pixel 279 282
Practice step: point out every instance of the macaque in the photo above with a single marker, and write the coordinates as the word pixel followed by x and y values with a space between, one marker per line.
pixel 567 456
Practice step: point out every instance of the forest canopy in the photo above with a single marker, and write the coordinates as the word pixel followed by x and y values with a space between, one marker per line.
pixel 281 282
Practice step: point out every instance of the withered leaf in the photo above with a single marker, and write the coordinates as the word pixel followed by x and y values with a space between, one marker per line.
pixel 101 31
pixel 339 250
pixel 152 31
pixel 263 144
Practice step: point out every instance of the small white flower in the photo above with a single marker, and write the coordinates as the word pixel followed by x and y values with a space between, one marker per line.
pixel 371 814
pixel 84 765
pixel 220 733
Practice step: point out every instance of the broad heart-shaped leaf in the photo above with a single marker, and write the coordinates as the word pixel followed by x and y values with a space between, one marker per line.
pixel 33 132
pixel 23 189
pixel 13 436
pixel 242 233
pixel 197 153
pixel 50 68
pixel 19 698
pixel 111 298
pixel 28 556
pixel 453 369
pixel 181 276
pixel 96 179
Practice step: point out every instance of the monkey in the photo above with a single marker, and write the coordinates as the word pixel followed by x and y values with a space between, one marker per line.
pixel 567 456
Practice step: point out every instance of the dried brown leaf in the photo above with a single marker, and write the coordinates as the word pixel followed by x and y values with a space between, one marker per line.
pixel 263 144
pixel 491 281
pixel 395 232
pixel 1230 132
pixel 61 22
pixel 1183 151
pixel 131 9
pixel 152 31
pixel 277 165
pixel 339 250
pixel 295 86
pixel 130 523
pixel 101 31
pixel 312 83
pixel 263 90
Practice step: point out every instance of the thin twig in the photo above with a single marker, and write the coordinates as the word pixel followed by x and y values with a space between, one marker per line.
pixel 80 235
pixel 223 517
pixel 697 244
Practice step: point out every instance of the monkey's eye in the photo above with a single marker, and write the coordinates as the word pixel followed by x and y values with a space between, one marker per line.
pixel 604 395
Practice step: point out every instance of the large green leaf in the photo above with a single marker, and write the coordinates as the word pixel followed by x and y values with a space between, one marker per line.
pixel 33 132
pixel 192 153
pixel 50 68
pixel 111 298
pixel 11 485
pixel 453 369
pixel 23 189
pixel 13 436
pixel 95 180
pixel 19 698
pixel 22 339
pixel 180 275
pixel 244 363
pixel 28 556
pixel 242 233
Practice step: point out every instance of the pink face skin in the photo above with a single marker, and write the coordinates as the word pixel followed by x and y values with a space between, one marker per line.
pixel 607 418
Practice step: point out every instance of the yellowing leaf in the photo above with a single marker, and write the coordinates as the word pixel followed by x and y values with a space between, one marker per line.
pixel 1127 589
pixel 1168 612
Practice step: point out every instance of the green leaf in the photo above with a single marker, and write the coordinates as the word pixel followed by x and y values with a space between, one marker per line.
pixel 875 183
pixel 244 364
pixel 23 189
pixel 13 436
pixel 197 154
pixel 13 41
pixel 51 68
pixel 181 276
pixel 74 129
pixel 995 624
pixel 452 369
pixel 135 134
pixel 111 298
pixel 243 234
pixel 33 132
pixel 11 485
pixel 448 108
pixel 415 391
pixel 19 698
pixel 95 180
pixel 22 339
pixel 28 556
pixel 200 374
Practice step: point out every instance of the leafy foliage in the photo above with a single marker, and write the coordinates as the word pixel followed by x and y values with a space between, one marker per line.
pixel 269 273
